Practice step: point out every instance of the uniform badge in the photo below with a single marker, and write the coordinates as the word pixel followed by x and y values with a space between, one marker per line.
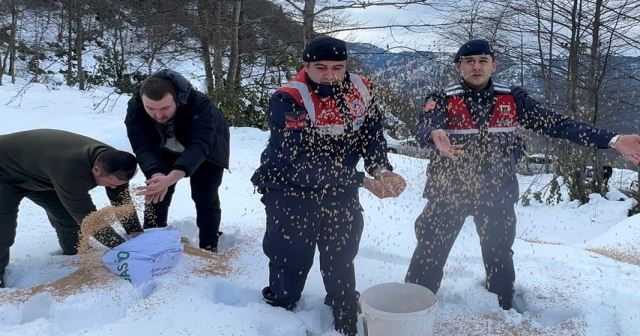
pixel 430 104
pixel 357 108
pixel 293 121
pixel 505 109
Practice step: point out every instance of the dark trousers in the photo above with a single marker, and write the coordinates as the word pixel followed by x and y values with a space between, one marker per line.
pixel 205 181
pixel 10 197
pixel 295 225
pixel 436 230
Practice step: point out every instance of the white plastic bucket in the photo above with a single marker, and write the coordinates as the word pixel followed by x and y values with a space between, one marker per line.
pixel 398 309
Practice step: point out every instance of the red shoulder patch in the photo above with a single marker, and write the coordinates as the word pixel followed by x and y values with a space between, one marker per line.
pixel 292 121
pixel 429 105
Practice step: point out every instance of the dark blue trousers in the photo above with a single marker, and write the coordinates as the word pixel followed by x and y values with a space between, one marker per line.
pixel 296 224
pixel 437 229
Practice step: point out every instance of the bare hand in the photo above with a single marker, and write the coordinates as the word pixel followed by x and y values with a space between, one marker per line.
pixel 157 197
pixel 378 188
pixel 441 139
pixel 156 188
pixel 629 146
pixel 393 182
pixel 374 186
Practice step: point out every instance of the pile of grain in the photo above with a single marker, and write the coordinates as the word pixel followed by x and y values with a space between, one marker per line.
pixel 211 264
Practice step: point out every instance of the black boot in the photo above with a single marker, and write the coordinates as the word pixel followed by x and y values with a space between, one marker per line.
pixel 267 296
pixel 346 320
pixel 210 246
pixel 212 249
pixel 504 304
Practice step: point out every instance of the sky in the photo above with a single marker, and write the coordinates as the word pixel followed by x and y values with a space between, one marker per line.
pixel 395 38
pixel 569 288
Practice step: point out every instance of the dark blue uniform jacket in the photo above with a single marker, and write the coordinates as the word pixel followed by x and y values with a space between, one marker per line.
pixel 486 172
pixel 300 158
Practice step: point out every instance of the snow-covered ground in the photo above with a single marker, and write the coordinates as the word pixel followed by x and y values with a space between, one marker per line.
pixel 577 266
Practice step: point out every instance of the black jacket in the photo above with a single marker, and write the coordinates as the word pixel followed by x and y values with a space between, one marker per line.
pixel 198 125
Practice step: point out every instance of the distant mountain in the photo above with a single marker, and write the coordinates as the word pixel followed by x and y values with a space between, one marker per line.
pixel 373 57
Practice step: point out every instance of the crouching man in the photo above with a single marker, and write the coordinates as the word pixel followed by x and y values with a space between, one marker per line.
pixel 56 170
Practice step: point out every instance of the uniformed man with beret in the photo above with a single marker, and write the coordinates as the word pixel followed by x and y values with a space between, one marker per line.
pixel 321 122
pixel 473 124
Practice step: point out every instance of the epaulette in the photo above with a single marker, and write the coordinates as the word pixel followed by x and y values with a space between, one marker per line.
pixel 454 90
pixel 501 88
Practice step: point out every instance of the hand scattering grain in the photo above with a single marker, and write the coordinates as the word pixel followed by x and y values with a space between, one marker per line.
pixel 393 181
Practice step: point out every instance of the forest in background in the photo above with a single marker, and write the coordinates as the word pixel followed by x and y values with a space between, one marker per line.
pixel 578 57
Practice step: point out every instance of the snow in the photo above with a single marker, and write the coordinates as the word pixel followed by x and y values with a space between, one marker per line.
pixel 577 266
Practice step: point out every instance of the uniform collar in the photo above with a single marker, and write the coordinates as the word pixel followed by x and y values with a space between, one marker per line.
pixel 467 89
pixel 485 96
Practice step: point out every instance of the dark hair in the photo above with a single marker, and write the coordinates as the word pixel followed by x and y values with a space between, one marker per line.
pixel 156 88
pixel 121 164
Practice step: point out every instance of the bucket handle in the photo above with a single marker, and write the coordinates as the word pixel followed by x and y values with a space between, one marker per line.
pixel 363 315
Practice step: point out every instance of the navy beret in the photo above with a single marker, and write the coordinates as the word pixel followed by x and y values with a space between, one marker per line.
pixel 325 49
pixel 474 47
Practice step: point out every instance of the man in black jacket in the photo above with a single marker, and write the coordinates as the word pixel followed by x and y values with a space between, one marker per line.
pixel 175 132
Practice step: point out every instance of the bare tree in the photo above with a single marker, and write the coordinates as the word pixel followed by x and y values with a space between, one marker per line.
pixel 12 41
pixel 79 42
pixel 69 25
pixel 3 58
pixel 1 70
pixel 310 12
pixel 41 25
pixel 202 21
pixel 211 31
pixel 233 75
pixel 546 64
